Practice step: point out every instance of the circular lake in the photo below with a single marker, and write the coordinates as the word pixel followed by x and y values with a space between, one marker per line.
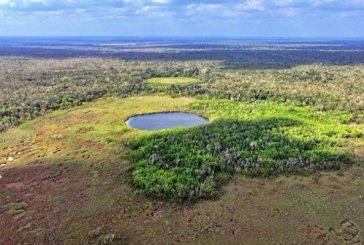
pixel 164 120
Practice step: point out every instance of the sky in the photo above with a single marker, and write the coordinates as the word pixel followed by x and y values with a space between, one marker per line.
pixel 183 18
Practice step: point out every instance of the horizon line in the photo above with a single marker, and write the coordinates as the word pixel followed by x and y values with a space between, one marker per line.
pixel 187 37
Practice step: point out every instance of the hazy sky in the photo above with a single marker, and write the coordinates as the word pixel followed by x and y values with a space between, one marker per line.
pixel 244 18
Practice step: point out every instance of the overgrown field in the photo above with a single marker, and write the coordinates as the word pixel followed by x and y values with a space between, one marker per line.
pixel 282 158
pixel 171 80
pixel 66 177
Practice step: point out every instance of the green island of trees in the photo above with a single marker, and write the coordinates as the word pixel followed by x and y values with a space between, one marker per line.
pixel 256 139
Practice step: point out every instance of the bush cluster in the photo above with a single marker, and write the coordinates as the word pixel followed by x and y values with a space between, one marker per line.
pixel 190 163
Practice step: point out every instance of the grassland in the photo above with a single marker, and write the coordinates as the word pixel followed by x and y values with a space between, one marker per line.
pixel 171 80
pixel 281 160
pixel 53 158
pixel 103 120
pixel 74 164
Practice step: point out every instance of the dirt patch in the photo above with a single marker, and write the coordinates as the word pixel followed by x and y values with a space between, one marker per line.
pixel 87 116
pixel 32 185
pixel 16 185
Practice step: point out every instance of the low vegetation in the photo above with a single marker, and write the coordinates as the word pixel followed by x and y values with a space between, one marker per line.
pixel 264 121
pixel 72 164
pixel 282 114
pixel 171 80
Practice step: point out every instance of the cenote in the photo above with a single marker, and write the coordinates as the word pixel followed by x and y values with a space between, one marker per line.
pixel 165 120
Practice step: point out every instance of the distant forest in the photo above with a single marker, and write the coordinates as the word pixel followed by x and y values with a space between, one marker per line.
pixel 233 53
pixel 38 76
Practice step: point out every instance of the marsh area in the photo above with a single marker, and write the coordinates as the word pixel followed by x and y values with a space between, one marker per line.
pixel 281 157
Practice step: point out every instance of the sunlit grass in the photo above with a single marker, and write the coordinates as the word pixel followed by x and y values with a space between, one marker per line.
pixel 171 80
pixel 95 128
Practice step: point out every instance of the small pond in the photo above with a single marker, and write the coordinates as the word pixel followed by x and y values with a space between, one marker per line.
pixel 164 120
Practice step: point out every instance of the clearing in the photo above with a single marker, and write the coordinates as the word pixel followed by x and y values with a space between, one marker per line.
pixel 172 80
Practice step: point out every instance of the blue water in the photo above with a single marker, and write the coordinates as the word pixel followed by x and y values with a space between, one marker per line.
pixel 165 120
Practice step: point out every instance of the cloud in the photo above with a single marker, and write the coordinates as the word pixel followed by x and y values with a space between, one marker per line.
pixel 251 5
pixel 180 5
pixel 163 2
pixel 189 15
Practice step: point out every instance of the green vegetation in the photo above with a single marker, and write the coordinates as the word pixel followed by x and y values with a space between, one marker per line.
pixel 101 122
pixel 287 119
pixel 325 88
pixel 281 116
pixel 16 208
pixel 171 80
pixel 100 237
pixel 259 139
pixel 75 161
pixel 34 87
pixel 302 98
